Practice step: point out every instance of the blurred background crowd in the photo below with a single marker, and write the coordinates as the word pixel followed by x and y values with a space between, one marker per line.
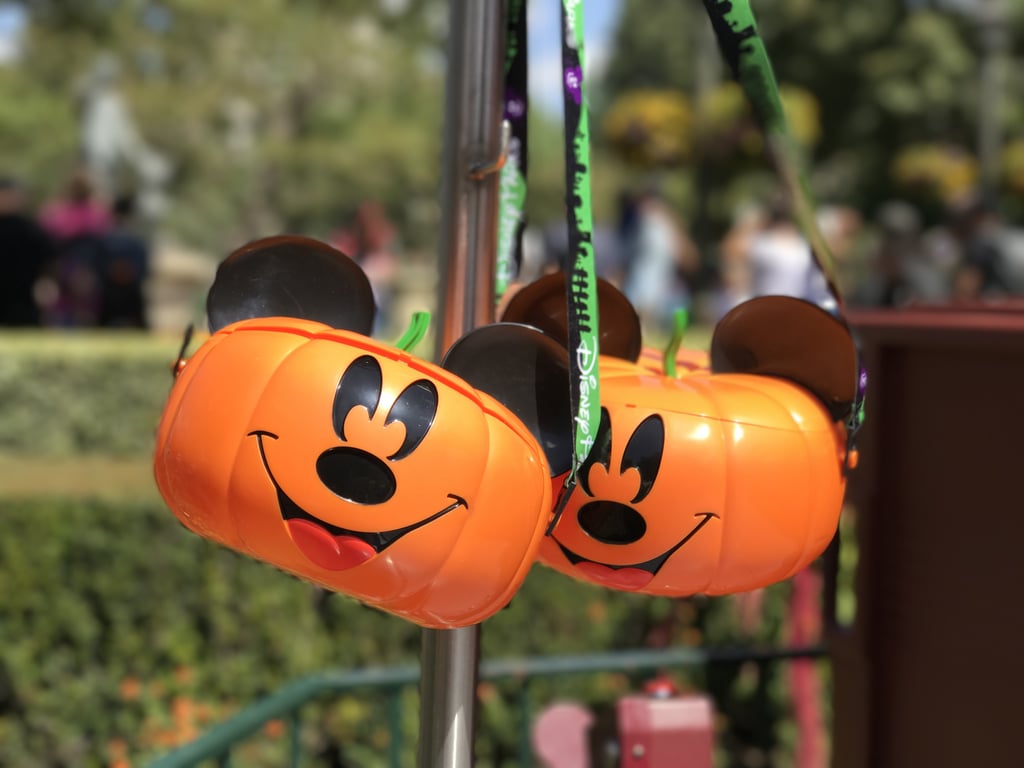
pixel 142 140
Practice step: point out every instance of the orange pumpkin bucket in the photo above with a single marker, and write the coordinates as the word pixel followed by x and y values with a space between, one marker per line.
pixel 727 478
pixel 347 462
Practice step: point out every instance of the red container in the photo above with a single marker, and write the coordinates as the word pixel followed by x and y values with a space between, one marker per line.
pixel 656 732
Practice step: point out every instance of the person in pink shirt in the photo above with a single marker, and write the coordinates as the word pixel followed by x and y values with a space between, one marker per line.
pixel 77 221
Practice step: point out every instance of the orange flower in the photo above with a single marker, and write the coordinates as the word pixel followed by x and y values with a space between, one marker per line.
pixel 130 689
pixel 165 738
pixel 274 729
pixel 486 691
pixel 182 709
pixel 117 748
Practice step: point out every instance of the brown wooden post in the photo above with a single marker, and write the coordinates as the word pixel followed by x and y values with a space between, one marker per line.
pixel 930 672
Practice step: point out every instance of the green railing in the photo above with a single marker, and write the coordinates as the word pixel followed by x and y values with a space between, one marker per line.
pixel 217 743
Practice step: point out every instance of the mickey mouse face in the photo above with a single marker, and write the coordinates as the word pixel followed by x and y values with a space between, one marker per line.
pixel 616 490
pixel 354 464
pixel 711 483
pixel 358 482
pixel 725 479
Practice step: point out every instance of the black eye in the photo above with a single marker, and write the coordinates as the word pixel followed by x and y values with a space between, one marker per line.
pixel 415 407
pixel 360 385
pixel 600 452
pixel 643 451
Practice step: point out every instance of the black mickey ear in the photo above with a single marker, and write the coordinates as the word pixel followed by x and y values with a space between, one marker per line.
pixel 291 276
pixel 527 372
pixel 542 304
pixel 791 338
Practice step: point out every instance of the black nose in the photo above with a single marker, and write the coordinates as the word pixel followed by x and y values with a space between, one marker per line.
pixel 611 523
pixel 356 475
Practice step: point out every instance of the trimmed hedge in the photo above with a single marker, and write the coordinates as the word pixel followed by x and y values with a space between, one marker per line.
pixel 115 618
pixel 76 392
pixel 112 613
pixel 122 633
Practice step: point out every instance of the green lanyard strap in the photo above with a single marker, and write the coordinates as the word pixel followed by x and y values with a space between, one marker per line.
pixel 744 50
pixel 512 181
pixel 581 280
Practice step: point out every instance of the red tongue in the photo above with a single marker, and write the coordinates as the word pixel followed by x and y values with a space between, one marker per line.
pixel 628 579
pixel 335 553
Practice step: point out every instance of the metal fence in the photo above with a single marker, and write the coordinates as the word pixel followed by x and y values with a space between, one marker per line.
pixel 219 742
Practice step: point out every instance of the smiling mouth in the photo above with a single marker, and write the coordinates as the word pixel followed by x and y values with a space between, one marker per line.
pixel 331 546
pixel 636 575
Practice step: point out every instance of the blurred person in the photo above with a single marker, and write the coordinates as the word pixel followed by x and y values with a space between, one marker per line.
pixel 26 252
pixel 1012 243
pixel 533 256
pixel 979 271
pixel 609 258
pixel 77 211
pixel 77 221
pixel 124 270
pixel 781 262
pixel 903 268
pixel 733 253
pixel 555 247
pixel 372 242
pixel 660 259
pixel 843 228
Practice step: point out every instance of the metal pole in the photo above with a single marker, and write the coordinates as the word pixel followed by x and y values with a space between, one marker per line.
pixel 468 237
pixel 472 143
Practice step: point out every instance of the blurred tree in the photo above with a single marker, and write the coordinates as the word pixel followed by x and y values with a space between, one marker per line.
pixel 652 47
pixel 725 128
pixel 28 112
pixel 656 70
pixel 650 128
pixel 885 77
pixel 277 114
pixel 865 79
pixel 935 175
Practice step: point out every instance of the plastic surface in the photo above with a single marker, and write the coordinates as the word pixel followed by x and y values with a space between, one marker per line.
pixel 794 339
pixel 542 304
pixel 355 466
pixel 709 483
pixel 291 276
pixel 293 437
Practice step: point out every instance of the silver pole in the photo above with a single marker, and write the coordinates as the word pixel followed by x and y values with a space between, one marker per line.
pixel 469 216
pixel 472 141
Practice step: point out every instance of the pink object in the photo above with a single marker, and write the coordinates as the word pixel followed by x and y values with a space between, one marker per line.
pixel 804 681
pixel 65 220
pixel 561 736
pixel 665 732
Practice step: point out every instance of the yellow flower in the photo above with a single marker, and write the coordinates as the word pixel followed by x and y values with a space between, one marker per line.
pixel 650 127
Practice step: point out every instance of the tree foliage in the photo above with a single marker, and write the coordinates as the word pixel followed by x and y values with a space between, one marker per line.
pixel 652 47
pixel 881 75
pixel 274 114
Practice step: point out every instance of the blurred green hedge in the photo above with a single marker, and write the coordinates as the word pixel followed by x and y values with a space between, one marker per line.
pixel 123 634
pixel 114 617
pixel 75 392
pixel 121 631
